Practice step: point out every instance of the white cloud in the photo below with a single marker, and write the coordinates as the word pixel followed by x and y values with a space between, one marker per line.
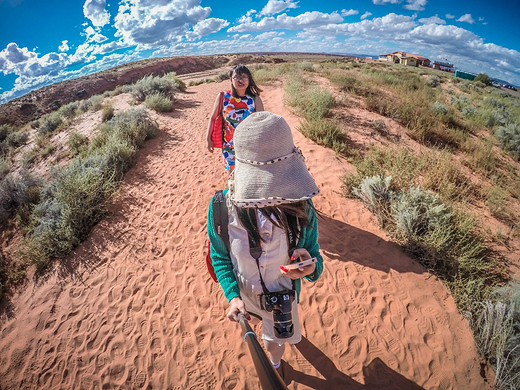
pixel 349 12
pixel 466 18
pixel 151 24
pixel 64 46
pixel 387 27
pixel 302 21
pixel 432 20
pixel 450 16
pixel 383 2
pixel 366 15
pixel 94 36
pixel 22 62
pixel 415 5
pixel 247 17
pixel 276 6
pixel 95 11
pixel 206 27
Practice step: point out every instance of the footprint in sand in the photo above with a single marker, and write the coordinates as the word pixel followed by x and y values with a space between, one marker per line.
pixel 140 379
pixel 188 348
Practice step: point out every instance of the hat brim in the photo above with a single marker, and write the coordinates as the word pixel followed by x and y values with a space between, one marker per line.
pixel 286 181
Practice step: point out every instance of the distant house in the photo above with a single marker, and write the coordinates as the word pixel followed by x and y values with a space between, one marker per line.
pixel 445 66
pixel 400 57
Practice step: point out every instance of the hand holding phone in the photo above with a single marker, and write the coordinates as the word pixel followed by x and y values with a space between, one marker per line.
pixel 297 265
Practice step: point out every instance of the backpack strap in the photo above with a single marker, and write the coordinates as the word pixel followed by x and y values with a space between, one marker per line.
pixel 220 217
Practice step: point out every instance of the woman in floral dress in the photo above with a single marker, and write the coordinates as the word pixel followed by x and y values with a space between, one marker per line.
pixel 238 103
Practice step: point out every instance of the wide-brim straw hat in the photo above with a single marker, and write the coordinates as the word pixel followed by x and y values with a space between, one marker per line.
pixel 269 169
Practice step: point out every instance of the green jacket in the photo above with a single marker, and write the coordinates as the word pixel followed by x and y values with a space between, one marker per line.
pixel 223 266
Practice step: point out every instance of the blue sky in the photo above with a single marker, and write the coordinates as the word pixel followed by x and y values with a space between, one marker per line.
pixel 44 42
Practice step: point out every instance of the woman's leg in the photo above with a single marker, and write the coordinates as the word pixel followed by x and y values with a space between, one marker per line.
pixel 275 351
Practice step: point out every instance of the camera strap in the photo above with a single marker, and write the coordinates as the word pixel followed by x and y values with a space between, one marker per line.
pixel 255 248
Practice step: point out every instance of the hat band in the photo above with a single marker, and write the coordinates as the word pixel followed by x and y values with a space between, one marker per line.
pixel 295 151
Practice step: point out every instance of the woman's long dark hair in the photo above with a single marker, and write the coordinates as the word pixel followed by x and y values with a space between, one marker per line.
pixel 291 217
pixel 252 88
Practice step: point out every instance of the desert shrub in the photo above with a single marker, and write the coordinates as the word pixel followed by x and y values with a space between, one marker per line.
pixel 496 326
pixel 443 175
pixel 482 78
pixel 96 102
pixel 69 110
pixel 440 109
pixel 18 194
pixel 379 125
pixel 306 66
pixel 77 197
pixel 311 102
pixel 376 195
pixel 153 84
pixel 17 138
pixel 481 156
pixel 5 130
pixel 434 80
pixel 509 138
pixel 401 164
pixel 195 82
pixel 5 167
pixel 158 102
pixel 180 85
pixel 11 274
pixel 107 113
pixel 468 111
pixel 497 199
pixel 73 203
pixel 495 103
pixel 325 132
pixel 49 123
pixel 439 237
pixel 77 142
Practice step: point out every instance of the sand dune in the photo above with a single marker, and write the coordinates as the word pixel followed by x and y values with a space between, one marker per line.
pixel 135 308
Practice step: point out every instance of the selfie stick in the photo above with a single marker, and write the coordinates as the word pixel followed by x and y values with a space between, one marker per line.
pixel 269 378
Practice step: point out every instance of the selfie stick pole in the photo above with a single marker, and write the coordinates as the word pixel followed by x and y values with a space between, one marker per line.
pixel 269 378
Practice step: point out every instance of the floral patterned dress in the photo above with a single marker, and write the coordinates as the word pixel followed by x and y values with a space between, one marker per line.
pixel 234 111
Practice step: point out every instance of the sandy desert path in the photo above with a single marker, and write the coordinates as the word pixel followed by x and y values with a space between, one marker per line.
pixel 134 307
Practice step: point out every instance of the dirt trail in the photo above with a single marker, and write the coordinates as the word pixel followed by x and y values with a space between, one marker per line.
pixel 135 308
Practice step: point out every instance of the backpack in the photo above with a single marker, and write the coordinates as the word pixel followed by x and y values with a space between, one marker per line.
pixel 220 224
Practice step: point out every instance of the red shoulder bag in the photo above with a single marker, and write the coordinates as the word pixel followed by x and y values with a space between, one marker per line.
pixel 217 131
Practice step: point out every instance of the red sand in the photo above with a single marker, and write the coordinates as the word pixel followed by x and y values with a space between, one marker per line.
pixel 135 308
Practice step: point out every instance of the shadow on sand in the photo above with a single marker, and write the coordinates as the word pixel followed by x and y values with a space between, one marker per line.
pixel 344 242
pixel 377 374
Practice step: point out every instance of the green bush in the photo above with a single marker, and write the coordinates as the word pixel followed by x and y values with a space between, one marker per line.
pixel 159 102
pixel 509 138
pixel 181 85
pixel 5 167
pixel 18 194
pixel 376 195
pixel 152 84
pixel 483 78
pixel 311 102
pixel 107 113
pixel 325 132
pixel 306 66
pixel 69 110
pixel 434 80
pixel 5 130
pixel 49 123
pixel 496 326
pixel 79 193
pixel 77 142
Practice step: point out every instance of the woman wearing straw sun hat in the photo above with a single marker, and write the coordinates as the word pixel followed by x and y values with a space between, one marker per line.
pixel 272 222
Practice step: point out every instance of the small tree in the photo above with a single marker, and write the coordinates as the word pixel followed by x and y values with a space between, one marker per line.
pixel 484 78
